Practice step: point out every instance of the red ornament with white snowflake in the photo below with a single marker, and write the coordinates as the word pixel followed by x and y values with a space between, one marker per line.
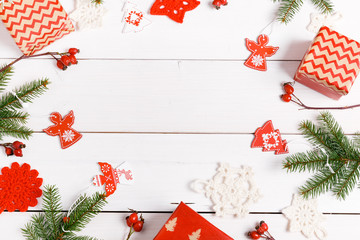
pixel 174 9
pixel 68 136
pixel 259 52
pixel 19 188
pixel 112 176
pixel 269 139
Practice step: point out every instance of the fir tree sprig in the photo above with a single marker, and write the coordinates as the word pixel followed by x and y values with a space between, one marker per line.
pixel 12 119
pixel 51 223
pixel 289 8
pixel 335 159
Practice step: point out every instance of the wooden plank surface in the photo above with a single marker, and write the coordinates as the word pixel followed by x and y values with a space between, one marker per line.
pixel 176 100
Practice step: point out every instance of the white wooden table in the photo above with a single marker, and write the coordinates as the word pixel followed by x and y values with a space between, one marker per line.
pixel 174 101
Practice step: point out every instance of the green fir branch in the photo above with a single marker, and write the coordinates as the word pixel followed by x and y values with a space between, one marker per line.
pixel 289 8
pixel 50 224
pixel 53 209
pixel 335 159
pixel 87 208
pixel 8 128
pixel 5 77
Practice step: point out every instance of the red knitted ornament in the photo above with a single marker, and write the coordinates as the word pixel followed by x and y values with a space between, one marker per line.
pixel 19 188
pixel 174 9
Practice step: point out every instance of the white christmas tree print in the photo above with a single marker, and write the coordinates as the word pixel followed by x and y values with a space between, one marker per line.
pixel 257 60
pixel 171 224
pixel 195 235
pixel 68 136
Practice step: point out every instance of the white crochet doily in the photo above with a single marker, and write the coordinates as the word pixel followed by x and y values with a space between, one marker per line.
pixel 304 216
pixel 88 14
pixel 232 190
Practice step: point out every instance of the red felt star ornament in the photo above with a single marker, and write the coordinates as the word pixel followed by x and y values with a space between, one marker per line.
pixel 174 9
pixel 259 52
pixel 269 139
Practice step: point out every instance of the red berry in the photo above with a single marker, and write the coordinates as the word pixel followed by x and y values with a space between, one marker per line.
pixel 9 151
pixel 286 97
pixel 288 88
pixel 133 218
pixel 138 226
pixel 61 65
pixel 254 235
pixel 73 59
pixel 128 222
pixel 66 60
pixel 74 51
pixel 217 4
pixel 66 219
pixel 259 230
pixel 18 152
pixel 18 145
pixel 264 226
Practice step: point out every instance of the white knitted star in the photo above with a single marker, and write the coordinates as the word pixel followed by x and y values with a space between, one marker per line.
pixel 304 216
pixel 232 190
pixel 2 2
pixel 88 14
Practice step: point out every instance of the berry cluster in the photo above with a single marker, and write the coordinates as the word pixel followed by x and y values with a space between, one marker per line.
pixel 261 232
pixel 289 89
pixel 67 59
pixel 14 148
pixel 134 222
pixel 218 3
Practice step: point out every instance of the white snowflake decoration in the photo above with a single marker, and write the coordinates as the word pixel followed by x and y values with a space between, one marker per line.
pixel 257 60
pixel 88 14
pixel 2 2
pixel 304 216
pixel 232 190
pixel 319 20
pixel 68 136
pixel 270 140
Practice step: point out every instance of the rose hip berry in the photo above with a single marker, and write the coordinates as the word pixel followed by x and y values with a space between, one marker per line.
pixel 9 151
pixel 254 235
pixel 288 88
pixel 286 97
pixel 65 60
pixel 18 152
pixel 138 226
pixel 73 59
pixel 60 65
pixel 74 51
pixel 18 145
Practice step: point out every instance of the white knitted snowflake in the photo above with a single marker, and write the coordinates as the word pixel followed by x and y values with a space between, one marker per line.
pixel 304 216
pixel 232 190
pixel 88 14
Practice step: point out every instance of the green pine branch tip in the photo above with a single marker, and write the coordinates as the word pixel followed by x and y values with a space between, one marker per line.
pixel 335 159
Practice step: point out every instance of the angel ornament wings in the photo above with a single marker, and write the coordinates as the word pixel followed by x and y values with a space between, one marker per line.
pixel 112 176
pixel 68 135
pixel 259 52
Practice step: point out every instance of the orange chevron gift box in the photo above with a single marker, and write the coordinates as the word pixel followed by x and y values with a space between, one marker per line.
pixel 185 223
pixel 331 64
pixel 34 24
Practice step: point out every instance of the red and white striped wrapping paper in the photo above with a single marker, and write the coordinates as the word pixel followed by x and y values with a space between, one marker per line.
pixel 331 65
pixel 34 24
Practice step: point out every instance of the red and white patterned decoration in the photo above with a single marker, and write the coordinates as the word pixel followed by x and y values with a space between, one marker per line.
pixel 259 52
pixel 134 19
pixel 269 139
pixel 113 176
pixel 68 136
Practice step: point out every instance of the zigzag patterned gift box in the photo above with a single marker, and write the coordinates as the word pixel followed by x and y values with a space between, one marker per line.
pixel 331 64
pixel 186 224
pixel 34 24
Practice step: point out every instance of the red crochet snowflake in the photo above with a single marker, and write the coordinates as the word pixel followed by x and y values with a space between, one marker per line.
pixel 19 188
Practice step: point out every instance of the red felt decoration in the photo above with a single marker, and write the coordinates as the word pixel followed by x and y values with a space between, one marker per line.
pixel 19 188
pixel 68 136
pixel 174 9
pixel 185 223
pixel 112 177
pixel 269 139
pixel 259 52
